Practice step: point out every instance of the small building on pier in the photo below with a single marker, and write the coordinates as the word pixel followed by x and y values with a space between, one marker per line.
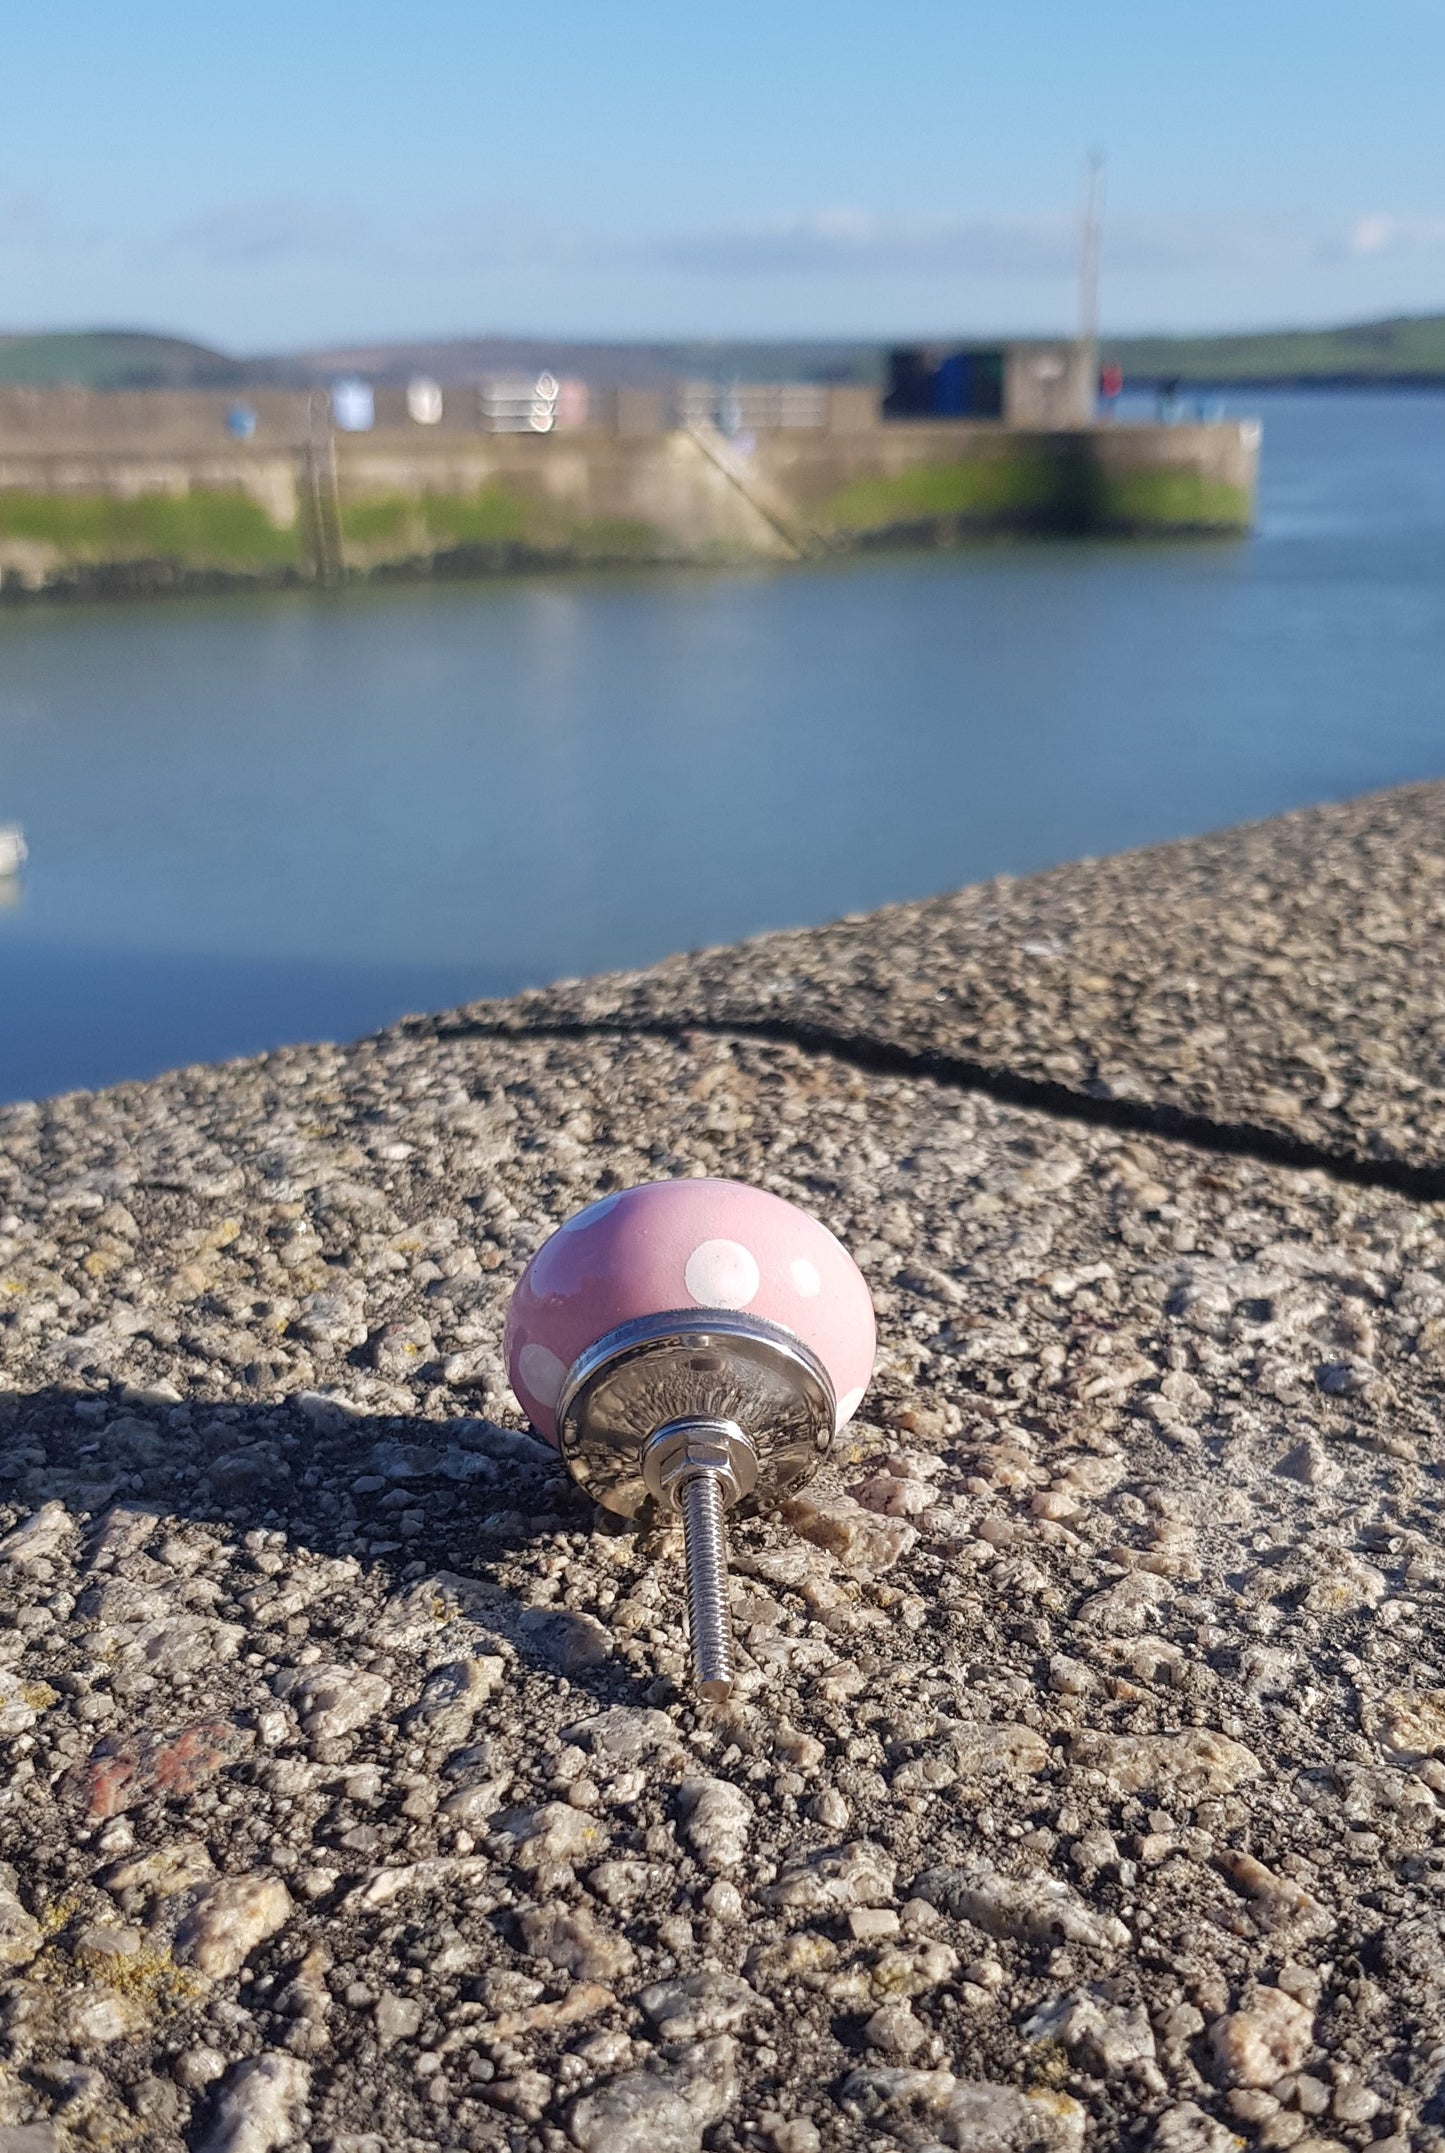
pixel 1049 386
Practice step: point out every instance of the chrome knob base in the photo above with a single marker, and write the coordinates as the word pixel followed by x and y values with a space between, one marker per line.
pixel 697 1414
pixel 694 1367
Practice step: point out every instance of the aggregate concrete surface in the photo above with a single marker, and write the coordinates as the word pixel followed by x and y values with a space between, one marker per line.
pixel 1284 980
pixel 1083 1788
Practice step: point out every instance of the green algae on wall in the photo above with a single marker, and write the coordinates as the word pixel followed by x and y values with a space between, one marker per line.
pixel 202 528
pixel 392 527
pixel 211 530
pixel 980 488
pixel 1175 501
pixel 1033 489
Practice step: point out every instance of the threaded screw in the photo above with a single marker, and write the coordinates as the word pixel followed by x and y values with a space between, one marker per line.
pixel 704 1538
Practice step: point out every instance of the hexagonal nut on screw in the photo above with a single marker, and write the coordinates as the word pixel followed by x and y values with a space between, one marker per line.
pixel 682 1449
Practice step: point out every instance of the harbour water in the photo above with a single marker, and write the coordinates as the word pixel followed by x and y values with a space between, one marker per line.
pixel 263 819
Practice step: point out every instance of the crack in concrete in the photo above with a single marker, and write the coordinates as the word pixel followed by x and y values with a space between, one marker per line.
pixel 1199 1132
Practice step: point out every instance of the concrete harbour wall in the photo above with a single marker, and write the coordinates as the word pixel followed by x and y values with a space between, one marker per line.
pixel 140 490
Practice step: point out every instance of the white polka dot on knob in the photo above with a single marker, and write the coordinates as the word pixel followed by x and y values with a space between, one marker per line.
pixel 805 1277
pixel 722 1274
pixel 543 1374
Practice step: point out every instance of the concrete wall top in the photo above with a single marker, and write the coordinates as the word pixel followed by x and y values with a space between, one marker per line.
pixel 58 420
pixel 1286 977
pixel 1104 1651
pixel 128 420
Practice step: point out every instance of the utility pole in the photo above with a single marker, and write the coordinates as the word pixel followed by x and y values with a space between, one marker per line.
pixel 1091 224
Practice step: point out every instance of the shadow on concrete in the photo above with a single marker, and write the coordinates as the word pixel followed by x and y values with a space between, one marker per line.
pixel 409 1501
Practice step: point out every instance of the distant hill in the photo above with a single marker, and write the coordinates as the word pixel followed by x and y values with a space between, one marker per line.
pixel 114 359
pixel 1410 348
pixel 605 364
pixel 130 359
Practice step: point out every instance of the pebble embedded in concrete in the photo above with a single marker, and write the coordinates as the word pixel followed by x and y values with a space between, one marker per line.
pixel 228 1919
pixel 1263 2041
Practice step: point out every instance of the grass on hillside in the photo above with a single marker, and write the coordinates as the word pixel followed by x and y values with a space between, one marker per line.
pixel 112 359
pixel 1413 346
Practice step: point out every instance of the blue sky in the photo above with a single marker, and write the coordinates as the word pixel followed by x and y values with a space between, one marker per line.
pixel 271 175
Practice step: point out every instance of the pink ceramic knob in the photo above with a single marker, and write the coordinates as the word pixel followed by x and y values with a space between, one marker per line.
pixel 687 1245
pixel 695 1343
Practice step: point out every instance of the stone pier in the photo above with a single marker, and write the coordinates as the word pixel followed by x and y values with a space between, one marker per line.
pixel 1084 1785
pixel 146 491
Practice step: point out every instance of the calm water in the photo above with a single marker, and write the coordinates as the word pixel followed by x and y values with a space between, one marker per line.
pixel 259 820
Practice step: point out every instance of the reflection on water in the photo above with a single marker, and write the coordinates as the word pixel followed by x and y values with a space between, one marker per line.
pixel 266 819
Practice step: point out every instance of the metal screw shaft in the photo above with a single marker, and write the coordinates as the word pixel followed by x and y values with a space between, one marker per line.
pixel 704 1536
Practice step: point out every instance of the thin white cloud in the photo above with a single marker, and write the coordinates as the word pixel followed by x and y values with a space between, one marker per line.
pixel 850 242
pixel 820 245
pixel 836 258
pixel 27 221
pixel 847 241
pixel 503 237
pixel 859 242
pixel 1379 233
pixel 254 235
